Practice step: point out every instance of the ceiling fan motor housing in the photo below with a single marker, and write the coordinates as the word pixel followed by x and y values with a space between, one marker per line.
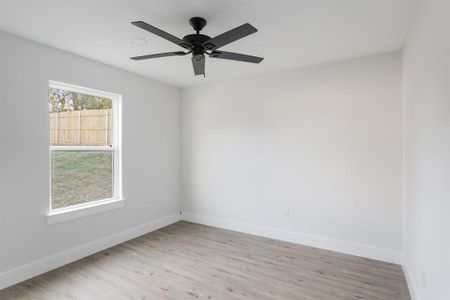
pixel 196 40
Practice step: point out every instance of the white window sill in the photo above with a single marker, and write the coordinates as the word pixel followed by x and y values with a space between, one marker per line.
pixel 83 210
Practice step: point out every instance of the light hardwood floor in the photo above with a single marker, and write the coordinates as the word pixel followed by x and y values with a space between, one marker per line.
pixel 191 261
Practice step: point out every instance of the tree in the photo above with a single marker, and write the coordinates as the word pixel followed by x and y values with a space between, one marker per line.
pixel 63 100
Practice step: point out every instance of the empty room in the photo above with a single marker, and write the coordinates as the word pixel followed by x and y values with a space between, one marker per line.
pixel 236 149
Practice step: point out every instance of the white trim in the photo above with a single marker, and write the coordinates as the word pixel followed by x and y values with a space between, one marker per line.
pixel 81 89
pixel 117 144
pixel 81 148
pixel 410 282
pixel 368 251
pixel 82 210
pixel 57 260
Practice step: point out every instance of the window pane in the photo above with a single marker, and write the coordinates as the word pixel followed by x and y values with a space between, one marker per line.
pixel 81 176
pixel 79 119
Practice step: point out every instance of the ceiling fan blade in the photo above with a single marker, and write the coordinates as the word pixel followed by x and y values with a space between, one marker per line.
pixel 198 63
pixel 161 33
pixel 229 36
pixel 236 56
pixel 142 57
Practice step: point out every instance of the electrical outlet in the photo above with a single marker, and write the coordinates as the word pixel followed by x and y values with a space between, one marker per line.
pixel 287 213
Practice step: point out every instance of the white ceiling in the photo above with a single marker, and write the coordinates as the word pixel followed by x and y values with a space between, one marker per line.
pixel 291 33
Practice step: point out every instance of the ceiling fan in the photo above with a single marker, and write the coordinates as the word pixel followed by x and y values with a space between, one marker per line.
pixel 200 45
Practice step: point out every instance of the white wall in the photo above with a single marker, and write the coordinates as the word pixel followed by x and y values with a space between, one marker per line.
pixel 324 142
pixel 151 157
pixel 427 152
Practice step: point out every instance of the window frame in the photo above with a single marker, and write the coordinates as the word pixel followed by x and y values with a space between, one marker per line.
pixel 56 215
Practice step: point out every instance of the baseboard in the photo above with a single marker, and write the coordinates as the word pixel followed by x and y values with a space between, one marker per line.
pixel 41 266
pixel 383 254
pixel 410 282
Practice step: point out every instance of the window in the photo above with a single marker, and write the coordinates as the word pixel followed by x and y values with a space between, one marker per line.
pixel 85 160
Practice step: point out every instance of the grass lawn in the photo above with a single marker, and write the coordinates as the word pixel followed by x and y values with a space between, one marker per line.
pixel 80 176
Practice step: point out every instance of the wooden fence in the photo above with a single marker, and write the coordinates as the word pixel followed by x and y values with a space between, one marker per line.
pixel 81 127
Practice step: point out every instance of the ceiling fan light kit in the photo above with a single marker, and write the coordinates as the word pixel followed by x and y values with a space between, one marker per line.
pixel 200 45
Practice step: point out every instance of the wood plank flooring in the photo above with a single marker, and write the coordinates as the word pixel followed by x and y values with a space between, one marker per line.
pixel 191 261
